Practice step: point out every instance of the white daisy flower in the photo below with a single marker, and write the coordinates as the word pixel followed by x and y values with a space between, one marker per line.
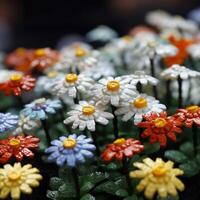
pixel 25 124
pixel 138 106
pixel 194 51
pixel 176 71
pixel 101 33
pixel 143 78
pixel 102 69
pixel 72 83
pixel 113 90
pixel 87 114
pixel 44 83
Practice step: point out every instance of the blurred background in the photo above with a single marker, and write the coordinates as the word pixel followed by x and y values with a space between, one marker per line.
pixel 41 23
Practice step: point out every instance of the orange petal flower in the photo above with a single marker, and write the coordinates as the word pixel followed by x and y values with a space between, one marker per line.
pixel 18 146
pixel 159 126
pixel 189 115
pixel 121 148
pixel 182 54
pixel 17 84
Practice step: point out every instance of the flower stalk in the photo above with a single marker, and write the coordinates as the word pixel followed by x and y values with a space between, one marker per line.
pixel 46 131
pixel 180 98
pixel 115 123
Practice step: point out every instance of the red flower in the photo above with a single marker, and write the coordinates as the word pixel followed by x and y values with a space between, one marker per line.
pixel 18 146
pixel 121 148
pixel 182 54
pixel 17 83
pixel 159 127
pixel 189 115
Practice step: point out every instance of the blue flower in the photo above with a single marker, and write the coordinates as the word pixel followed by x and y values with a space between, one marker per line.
pixel 70 150
pixel 39 108
pixel 8 122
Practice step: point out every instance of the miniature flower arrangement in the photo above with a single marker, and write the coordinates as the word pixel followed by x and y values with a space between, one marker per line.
pixel 117 122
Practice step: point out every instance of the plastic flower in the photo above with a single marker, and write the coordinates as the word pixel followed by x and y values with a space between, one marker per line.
pixel 179 71
pixel 141 77
pixel 86 114
pixel 72 83
pixel 39 108
pixel 8 122
pixel 194 51
pixel 70 150
pixel 157 177
pixel 113 90
pixel 25 124
pixel 182 54
pixel 17 83
pixel 18 146
pixel 189 115
pixel 122 148
pixel 18 179
pixel 138 106
pixel 159 126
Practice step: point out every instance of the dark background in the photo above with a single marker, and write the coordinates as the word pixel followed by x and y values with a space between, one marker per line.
pixel 39 23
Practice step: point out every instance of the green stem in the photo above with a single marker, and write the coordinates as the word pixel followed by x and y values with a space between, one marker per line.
pixel 115 123
pixel 94 138
pixel 46 131
pixel 168 92
pixel 76 181
pixel 195 138
pixel 180 98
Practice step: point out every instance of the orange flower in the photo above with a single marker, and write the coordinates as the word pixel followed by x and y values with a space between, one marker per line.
pixel 28 60
pixel 182 53
pixel 189 115
pixel 159 126
pixel 17 83
pixel 18 146
pixel 121 148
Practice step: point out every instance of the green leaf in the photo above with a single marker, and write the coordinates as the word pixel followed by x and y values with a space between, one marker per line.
pixel 187 148
pixel 133 197
pixel 55 183
pixel 52 194
pixel 89 181
pixel 190 168
pixel 121 193
pixel 88 197
pixel 151 148
pixel 67 191
pixel 176 156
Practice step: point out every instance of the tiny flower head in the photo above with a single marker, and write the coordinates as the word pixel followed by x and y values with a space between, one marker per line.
pixel 122 148
pixel 18 179
pixel 190 115
pixel 138 106
pixel 39 108
pixel 70 150
pixel 157 177
pixel 18 147
pixel 159 126
pixel 8 122
pixel 86 114
pixel 17 83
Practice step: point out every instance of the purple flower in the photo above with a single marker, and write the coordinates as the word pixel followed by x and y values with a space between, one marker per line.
pixel 8 122
pixel 70 150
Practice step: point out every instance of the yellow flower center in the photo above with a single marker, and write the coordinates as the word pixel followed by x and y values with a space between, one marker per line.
pixel 160 170
pixel 13 176
pixel 69 143
pixel 40 101
pixel 79 52
pixel 52 74
pixel 88 110
pixel 160 122
pixel 192 109
pixel 71 78
pixel 16 77
pixel 120 141
pixel 113 86
pixel 127 38
pixel 14 142
pixel 40 52
pixel 140 102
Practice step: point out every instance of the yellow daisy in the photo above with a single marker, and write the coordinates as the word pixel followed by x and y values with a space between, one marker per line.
pixel 157 176
pixel 16 179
